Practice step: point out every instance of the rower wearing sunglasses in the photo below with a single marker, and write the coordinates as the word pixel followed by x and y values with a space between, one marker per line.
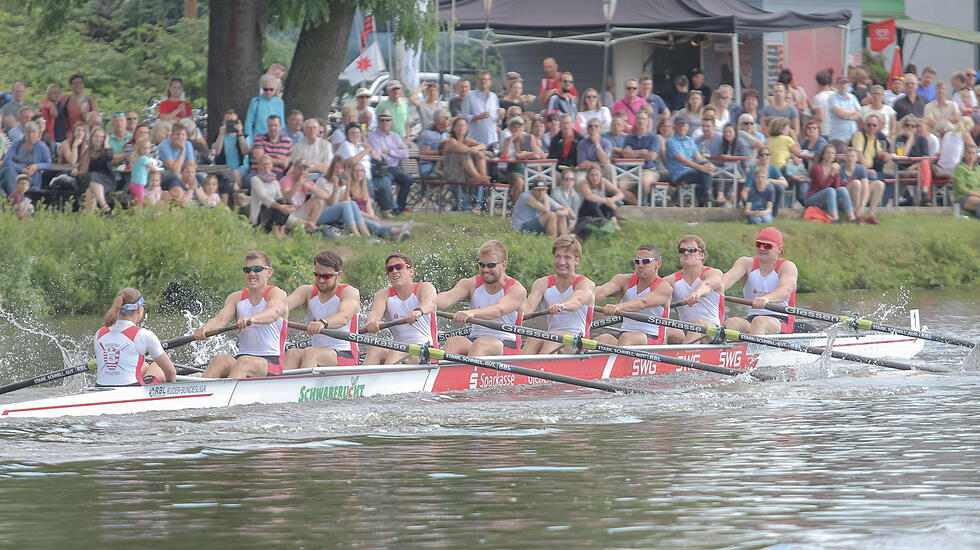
pixel 403 299
pixel 766 279
pixel 329 304
pixel 492 295
pixel 567 296
pixel 698 287
pixel 642 291
pixel 261 311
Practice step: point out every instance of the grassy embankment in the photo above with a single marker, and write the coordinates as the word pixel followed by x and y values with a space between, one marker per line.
pixel 61 263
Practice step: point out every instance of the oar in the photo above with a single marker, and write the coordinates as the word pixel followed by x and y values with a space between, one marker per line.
pixel 606 321
pixel 535 314
pixel 462 331
pixel 729 334
pixel 427 353
pixel 856 323
pixel 93 365
pixel 585 343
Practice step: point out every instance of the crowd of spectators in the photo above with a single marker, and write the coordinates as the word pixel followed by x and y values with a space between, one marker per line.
pixel 834 152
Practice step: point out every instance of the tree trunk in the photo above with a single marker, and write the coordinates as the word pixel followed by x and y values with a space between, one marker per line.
pixel 319 58
pixel 235 51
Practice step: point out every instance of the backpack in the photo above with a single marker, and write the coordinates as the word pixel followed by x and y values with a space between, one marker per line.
pixel 815 214
pixel 595 227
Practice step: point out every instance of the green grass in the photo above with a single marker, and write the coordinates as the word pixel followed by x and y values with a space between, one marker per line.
pixel 71 263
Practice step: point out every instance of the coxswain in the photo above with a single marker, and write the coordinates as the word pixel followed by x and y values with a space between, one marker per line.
pixel 567 296
pixel 697 286
pixel 328 304
pixel 766 279
pixel 645 292
pixel 260 312
pixel 403 299
pixel 491 294
pixel 121 346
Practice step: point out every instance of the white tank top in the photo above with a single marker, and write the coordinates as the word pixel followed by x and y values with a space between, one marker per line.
pixel 481 298
pixel 711 308
pixel 421 331
pixel 121 350
pixel 650 329
pixel 260 340
pixel 317 310
pixel 757 284
pixel 574 321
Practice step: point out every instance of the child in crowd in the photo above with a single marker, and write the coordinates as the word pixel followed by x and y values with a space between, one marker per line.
pixel 188 178
pixel 207 194
pixel 18 199
pixel 140 170
pixel 761 197
pixel 154 193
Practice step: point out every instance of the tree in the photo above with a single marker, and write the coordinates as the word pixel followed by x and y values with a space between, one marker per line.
pixel 234 56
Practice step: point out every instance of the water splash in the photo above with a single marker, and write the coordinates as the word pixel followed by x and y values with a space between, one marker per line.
pixel 972 359
pixel 68 348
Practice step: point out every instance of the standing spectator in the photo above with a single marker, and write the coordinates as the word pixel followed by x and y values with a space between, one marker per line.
pixel 77 105
pixel 942 114
pixel 926 88
pixel 132 121
pixel 721 100
pixel 272 144
pixel 515 95
pixel 591 108
pixel 696 79
pixel 480 110
pixel 677 96
pixel 54 114
pixel 96 171
pixel 12 108
pixel 630 103
pixel 294 126
pixel 912 103
pixel 119 136
pixel 686 164
pixel 750 105
pixel 562 101
pixel 896 89
pixel 779 107
pixel 594 151
pixel 958 82
pixel 799 99
pixel 262 107
pixel 173 153
pixel 760 199
pixel 617 135
pixel 397 107
pixel 693 106
pixel 428 106
pixel 645 145
pixel 858 78
pixel 392 150
pixel 174 106
pixel 462 90
pixel 863 189
pixel 966 182
pixel 313 149
pixel 876 106
pixel 845 112
pixel 29 156
pixel 363 97
pixel 825 186
pixel 348 116
pixel 821 108
pixel 564 146
pixel 550 84
pixel 646 93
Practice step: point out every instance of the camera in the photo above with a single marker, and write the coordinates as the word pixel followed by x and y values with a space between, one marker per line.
pixel 230 126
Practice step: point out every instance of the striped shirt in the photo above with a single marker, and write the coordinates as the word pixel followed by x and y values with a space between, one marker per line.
pixel 283 148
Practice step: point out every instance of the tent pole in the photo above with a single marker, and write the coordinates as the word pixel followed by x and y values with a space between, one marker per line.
pixel 452 38
pixel 843 61
pixel 605 60
pixel 736 69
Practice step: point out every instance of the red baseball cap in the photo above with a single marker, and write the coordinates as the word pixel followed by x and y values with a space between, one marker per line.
pixel 771 234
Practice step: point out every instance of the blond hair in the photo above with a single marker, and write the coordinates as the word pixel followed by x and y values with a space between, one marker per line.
pixel 494 247
pixel 125 296
pixel 567 241
pixel 258 255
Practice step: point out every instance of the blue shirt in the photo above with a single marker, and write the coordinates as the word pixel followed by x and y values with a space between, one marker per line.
pixel 758 199
pixel 840 128
pixel 710 146
pixel 618 142
pixel 658 105
pixel 683 146
pixel 859 173
pixel 259 110
pixel 40 155
pixel 166 152
pixel 649 142
pixel 230 148
pixel 140 171
pixel 432 138
pixel 774 174
pixel 587 149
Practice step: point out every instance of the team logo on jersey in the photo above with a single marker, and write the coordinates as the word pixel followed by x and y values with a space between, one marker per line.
pixel 110 355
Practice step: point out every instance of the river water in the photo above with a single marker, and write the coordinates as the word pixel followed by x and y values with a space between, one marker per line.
pixel 865 458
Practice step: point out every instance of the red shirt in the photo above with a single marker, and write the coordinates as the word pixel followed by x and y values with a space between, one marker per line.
pixel 182 108
pixel 554 84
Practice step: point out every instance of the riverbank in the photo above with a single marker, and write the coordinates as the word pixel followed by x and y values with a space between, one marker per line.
pixel 69 263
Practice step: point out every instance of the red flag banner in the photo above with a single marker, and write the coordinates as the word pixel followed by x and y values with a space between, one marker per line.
pixel 366 29
pixel 896 71
pixel 881 34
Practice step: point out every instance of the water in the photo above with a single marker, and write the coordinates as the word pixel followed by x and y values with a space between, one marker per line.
pixel 869 458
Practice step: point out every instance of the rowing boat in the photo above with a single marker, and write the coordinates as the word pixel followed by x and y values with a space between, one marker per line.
pixel 339 383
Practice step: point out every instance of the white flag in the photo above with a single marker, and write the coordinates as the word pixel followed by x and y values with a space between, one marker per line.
pixel 410 60
pixel 368 64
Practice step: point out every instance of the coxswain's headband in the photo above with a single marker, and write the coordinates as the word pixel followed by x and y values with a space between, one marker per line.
pixel 131 308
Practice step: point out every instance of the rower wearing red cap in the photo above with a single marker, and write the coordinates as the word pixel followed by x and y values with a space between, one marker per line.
pixel 766 279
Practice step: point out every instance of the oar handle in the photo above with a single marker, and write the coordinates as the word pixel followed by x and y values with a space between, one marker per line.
pixel 678 303
pixel 535 314
pixel 182 340
pixel 382 326
pixel 63 373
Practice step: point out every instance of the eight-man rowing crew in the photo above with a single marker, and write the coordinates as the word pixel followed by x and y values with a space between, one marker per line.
pixel 409 308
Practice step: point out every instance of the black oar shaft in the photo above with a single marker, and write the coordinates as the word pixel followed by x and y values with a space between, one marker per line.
pixel 182 340
pixel 64 373
pixel 857 323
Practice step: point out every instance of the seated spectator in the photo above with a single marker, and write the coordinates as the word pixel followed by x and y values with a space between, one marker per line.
pixel 272 144
pixel 268 207
pixel 160 132
pixel 300 191
pixel 617 135
pixel 911 143
pixel 564 147
pixel 562 101
pixel 536 212
pixel 645 145
pixel 552 127
pixel 600 197
pixel 942 114
pixel 750 105
pixel 539 130
pixel 844 114
pixel 366 219
pixel 665 129
pixel 855 178
pixel 174 106
pixel 872 145
pixel 896 89
pixel 293 126
pixel 231 148
pixel 876 106
pixel 655 102
pixel 931 139
pixel 348 116
pixel 173 153
pixel 676 98
pixel 686 164
pixel 520 145
pixel 760 198
pixel 207 195
pixel 912 103
pixel 363 98
pixel 24 115
pixel 28 156
pixel 786 153
pixel 71 152
pixel 96 171
pixel 951 151
pixel 462 90
pixel 721 101
pixel 749 132
pixel 511 112
pixel 794 91
pixel 825 189
pixel 188 179
pixel 966 182
pixel 397 107
pixel 465 159
pixel 357 150
pixel 392 149
pixel 566 195
pixel 732 145
pixel 692 109
pixel 262 107
pixel 12 108
pixel 708 137
pixel 778 106
pixel 119 136
pixel 54 114
pixel 591 108
pixel 774 177
pixel 630 103
pixel 594 151
pixel 309 147
pixel 18 201
pixel 431 140
pixel 142 131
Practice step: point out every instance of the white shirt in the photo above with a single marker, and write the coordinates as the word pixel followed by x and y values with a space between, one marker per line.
pixel 315 153
pixel 348 150
pixel 484 130
pixel 884 114
pixel 951 151
pixel 821 101
pixel 602 114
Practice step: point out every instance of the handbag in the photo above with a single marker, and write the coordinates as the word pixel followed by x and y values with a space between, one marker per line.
pixel 379 168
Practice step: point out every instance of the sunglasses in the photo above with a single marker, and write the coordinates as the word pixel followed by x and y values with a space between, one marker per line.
pixel 594 126
pixel 644 261
pixel 326 276
pixel 688 250
pixel 254 269
pixel 397 267
pixel 765 154
pixel 764 245
pixel 488 265
pixel 132 118
pixel 631 87
pixel 567 81
pixel 268 89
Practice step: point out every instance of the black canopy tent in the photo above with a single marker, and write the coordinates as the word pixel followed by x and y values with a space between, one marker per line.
pixel 608 22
